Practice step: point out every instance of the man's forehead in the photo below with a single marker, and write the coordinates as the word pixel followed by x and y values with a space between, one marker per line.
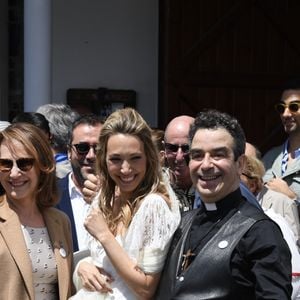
pixel 177 139
pixel 176 135
pixel 219 137
pixel 290 95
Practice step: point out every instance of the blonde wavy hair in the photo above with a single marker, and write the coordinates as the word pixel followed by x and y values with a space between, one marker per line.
pixel 254 170
pixel 129 122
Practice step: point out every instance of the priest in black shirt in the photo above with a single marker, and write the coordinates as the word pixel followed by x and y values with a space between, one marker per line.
pixel 228 248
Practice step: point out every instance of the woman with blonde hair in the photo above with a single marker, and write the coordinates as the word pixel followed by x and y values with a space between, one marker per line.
pixel 252 173
pixel 135 216
pixel 280 208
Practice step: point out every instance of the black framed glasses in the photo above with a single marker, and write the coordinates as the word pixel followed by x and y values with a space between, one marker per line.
pixel 24 164
pixel 84 148
pixel 292 106
pixel 248 176
pixel 185 148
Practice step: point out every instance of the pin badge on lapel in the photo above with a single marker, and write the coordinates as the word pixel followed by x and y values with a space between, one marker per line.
pixel 62 250
pixel 223 244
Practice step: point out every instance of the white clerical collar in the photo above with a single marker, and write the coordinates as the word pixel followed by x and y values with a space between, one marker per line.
pixel 210 206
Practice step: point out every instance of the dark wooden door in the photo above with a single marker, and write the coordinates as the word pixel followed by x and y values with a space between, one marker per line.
pixel 231 55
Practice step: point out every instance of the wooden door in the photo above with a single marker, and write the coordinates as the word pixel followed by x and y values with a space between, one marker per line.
pixel 231 55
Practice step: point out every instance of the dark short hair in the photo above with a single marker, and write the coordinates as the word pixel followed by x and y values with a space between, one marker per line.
pixel 88 119
pixel 291 84
pixel 214 119
pixel 33 118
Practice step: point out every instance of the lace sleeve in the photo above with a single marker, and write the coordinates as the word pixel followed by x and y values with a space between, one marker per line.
pixel 150 233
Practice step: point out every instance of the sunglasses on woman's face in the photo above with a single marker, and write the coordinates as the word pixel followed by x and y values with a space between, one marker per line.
pixel 292 106
pixel 23 164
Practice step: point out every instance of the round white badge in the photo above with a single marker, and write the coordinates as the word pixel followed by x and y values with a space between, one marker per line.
pixel 62 252
pixel 223 244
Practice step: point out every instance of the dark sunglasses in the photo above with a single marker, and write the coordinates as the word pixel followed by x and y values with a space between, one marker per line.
pixel 84 148
pixel 248 176
pixel 293 107
pixel 185 148
pixel 24 164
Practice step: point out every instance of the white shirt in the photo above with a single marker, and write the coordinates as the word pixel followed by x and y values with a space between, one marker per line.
pixel 80 211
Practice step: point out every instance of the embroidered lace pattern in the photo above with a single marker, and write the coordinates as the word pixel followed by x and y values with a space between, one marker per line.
pixel 146 242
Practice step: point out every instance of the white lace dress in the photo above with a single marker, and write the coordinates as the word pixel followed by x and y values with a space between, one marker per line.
pixel 146 242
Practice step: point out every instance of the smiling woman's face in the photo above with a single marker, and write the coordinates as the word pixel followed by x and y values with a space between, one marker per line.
pixel 18 184
pixel 126 161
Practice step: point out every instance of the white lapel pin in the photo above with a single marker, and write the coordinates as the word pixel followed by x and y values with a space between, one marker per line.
pixel 62 252
pixel 223 244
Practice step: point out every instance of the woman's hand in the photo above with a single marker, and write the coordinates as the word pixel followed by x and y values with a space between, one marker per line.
pixel 95 224
pixel 93 278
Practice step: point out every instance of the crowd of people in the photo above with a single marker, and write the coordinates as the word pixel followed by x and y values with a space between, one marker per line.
pixel 115 209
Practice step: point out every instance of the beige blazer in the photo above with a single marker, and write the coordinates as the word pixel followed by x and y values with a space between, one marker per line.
pixel 15 264
pixel 283 205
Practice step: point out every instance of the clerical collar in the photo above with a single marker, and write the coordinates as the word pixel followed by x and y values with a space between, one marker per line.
pixel 210 206
pixel 230 201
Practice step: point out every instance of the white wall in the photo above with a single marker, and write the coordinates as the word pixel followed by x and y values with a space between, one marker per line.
pixel 106 43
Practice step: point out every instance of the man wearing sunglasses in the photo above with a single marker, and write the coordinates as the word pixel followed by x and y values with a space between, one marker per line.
pixel 82 155
pixel 282 163
pixel 176 144
pixel 226 249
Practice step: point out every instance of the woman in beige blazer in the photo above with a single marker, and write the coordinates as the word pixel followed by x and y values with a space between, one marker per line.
pixel 35 238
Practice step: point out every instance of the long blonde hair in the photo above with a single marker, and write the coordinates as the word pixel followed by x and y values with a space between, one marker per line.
pixel 127 121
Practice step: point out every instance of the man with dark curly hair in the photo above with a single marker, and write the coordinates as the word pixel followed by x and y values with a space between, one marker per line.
pixel 228 248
